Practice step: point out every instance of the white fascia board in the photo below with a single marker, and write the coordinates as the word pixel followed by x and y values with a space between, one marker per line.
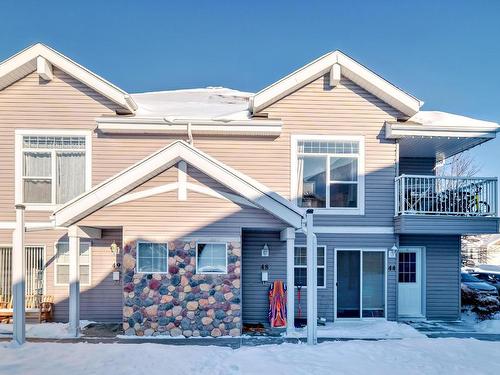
pixel 201 127
pixel 163 159
pixel 351 69
pixel 401 130
pixel 72 68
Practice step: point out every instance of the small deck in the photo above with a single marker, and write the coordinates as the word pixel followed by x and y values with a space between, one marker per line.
pixel 445 205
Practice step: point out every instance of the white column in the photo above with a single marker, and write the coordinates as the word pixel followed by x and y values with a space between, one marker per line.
pixel 18 277
pixel 312 280
pixel 288 235
pixel 74 281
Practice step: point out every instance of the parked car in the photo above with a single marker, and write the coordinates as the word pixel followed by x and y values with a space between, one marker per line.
pixel 478 285
pixel 490 278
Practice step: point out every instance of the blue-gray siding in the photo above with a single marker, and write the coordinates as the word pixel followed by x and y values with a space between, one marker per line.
pixel 441 225
pixel 442 274
pixel 420 166
pixel 254 293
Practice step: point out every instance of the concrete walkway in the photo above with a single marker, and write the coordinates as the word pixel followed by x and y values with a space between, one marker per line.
pixel 458 329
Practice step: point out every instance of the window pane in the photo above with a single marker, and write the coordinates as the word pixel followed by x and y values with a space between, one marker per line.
pixel 325 147
pixel 321 256
pixel 152 257
pixel 321 277
pixel 343 169
pixel 70 175
pixel 84 274
pixel 62 274
pixel 300 256
pixel 37 191
pixel 373 284
pixel 84 253
pixel 37 164
pixel 343 195
pixel 348 284
pixel 62 252
pixel 211 258
pixel 51 142
pixel 312 181
pixel 300 276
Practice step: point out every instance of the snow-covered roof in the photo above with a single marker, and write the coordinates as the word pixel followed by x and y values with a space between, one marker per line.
pixel 437 118
pixel 217 103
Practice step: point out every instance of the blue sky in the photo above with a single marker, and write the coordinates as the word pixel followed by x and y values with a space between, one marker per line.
pixel 446 53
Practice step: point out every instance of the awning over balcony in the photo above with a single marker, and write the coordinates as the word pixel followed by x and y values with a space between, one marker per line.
pixel 439 134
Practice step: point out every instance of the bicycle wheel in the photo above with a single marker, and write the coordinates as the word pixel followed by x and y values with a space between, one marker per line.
pixel 479 208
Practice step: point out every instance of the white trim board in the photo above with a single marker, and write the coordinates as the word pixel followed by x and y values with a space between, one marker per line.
pixel 25 62
pixel 137 174
pixel 354 230
pixel 349 68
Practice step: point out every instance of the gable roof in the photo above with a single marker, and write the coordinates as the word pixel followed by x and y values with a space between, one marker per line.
pixel 349 68
pixel 128 179
pixel 28 60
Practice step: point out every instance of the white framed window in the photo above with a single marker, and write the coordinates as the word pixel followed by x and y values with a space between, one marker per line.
pixel 328 173
pixel 300 266
pixel 211 258
pixel 152 257
pixel 61 274
pixel 52 166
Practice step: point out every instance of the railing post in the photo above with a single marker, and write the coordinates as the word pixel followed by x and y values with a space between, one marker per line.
pixel 402 195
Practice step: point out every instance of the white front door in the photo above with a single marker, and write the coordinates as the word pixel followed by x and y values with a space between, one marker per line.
pixel 410 282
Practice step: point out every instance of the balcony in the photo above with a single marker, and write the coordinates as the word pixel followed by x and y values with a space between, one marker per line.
pixel 445 205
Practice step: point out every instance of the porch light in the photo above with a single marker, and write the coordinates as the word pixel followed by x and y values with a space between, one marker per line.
pixel 265 251
pixel 393 252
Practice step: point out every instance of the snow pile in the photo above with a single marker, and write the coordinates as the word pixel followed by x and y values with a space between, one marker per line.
pixel 436 118
pixel 491 326
pixel 45 330
pixel 207 103
pixel 364 330
pixel 409 356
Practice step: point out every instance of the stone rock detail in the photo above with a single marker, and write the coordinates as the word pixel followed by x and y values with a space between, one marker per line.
pixel 182 303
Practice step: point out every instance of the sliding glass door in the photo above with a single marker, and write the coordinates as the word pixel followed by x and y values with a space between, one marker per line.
pixel 360 283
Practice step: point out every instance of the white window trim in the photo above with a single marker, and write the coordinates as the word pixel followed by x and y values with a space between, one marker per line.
pixel 137 258
pixel 196 254
pixel 19 133
pixel 56 263
pixel 324 266
pixel 335 293
pixel 360 210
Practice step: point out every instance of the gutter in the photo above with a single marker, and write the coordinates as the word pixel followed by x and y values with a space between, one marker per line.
pixel 402 130
pixel 157 125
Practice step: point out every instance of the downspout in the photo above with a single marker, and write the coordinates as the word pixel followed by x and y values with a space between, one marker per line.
pixel 312 279
pixel 190 134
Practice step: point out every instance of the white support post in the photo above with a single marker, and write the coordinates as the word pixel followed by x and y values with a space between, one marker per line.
pixel 18 277
pixel 182 181
pixel 312 281
pixel 74 281
pixel 288 235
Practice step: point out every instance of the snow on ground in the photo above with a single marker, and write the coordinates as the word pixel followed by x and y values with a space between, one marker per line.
pixel 364 330
pixel 45 330
pixel 408 356
pixel 486 326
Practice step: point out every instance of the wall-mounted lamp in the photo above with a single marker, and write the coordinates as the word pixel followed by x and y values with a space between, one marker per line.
pixel 265 251
pixel 393 252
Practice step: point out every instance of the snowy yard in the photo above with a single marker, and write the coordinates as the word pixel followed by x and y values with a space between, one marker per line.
pixel 409 356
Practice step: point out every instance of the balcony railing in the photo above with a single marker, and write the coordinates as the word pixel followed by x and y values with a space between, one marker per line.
pixel 454 196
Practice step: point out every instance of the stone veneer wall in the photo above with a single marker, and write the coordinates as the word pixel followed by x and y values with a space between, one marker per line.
pixel 182 302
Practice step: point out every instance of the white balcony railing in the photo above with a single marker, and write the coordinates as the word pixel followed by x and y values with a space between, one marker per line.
pixel 455 196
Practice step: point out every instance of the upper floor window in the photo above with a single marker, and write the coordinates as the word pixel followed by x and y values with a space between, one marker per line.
pixel 329 173
pixel 54 168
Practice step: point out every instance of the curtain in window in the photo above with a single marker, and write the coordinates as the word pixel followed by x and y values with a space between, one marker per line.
pixel 70 175
pixel 37 165
pixel 300 180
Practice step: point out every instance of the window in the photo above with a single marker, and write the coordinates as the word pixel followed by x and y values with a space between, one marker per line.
pixel 53 169
pixel 211 258
pixel 62 263
pixel 407 267
pixel 328 173
pixel 152 257
pixel 300 266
